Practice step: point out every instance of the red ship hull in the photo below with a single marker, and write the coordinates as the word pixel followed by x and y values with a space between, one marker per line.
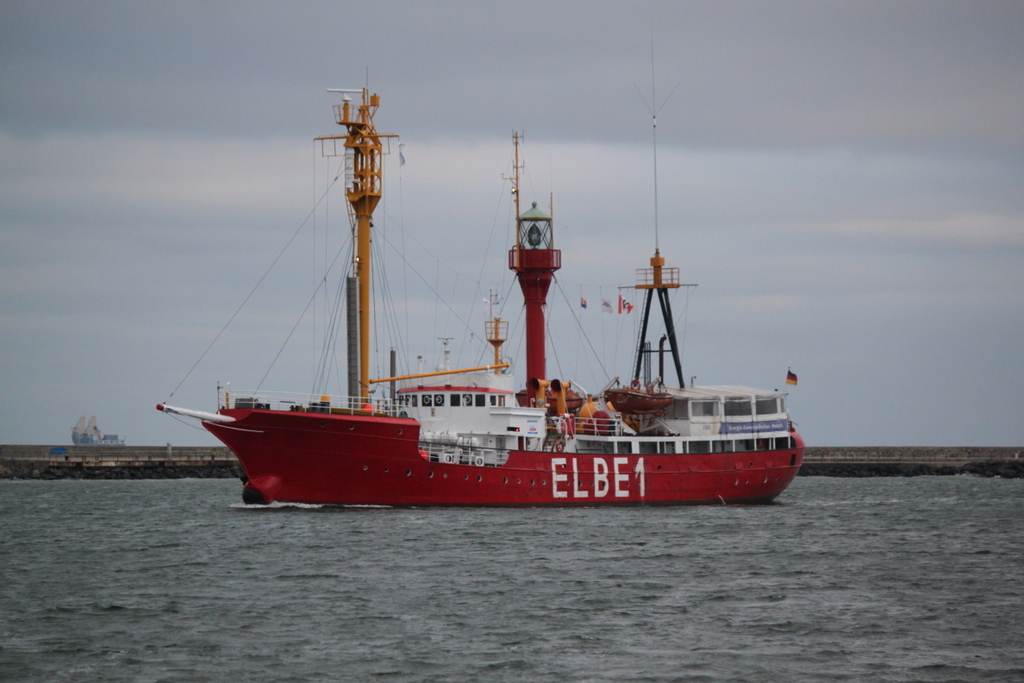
pixel 375 460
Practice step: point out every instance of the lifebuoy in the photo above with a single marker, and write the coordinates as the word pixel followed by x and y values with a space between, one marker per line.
pixel 560 445
pixel 478 461
pixel 635 385
pixel 448 458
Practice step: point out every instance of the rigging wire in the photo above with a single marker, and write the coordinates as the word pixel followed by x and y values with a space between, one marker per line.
pixel 273 263
pixel 558 286
pixel 437 295
pixel 328 359
pixel 478 292
pixel 312 299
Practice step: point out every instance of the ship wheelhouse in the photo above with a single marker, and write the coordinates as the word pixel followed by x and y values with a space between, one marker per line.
pixel 713 419
pixel 472 418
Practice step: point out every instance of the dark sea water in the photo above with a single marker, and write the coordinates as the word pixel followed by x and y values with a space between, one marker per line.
pixel 901 579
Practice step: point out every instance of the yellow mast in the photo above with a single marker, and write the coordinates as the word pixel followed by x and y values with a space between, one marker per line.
pixel 497 332
pixel 363 143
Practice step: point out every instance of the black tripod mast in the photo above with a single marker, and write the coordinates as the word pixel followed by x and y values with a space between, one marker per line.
pixel 658 279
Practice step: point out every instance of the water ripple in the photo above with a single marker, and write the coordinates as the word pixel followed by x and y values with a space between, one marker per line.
pixel 900 579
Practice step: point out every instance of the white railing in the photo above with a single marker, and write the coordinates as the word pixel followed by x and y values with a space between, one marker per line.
pixel 300 402
pixel 463 455
pixel 599 426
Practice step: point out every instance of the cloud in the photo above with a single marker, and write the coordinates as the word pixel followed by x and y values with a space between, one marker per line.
pixel 843 180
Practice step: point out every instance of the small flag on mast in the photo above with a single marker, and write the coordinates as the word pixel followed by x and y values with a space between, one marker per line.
pixel 790 377
pixel 583 302
pixel 401 155
pixel 606 306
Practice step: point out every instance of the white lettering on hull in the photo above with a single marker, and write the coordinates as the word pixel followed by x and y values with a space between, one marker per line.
pixel 619 482
pixel 556 477
pixel 600 478
pixel 620 479
pixel 577 492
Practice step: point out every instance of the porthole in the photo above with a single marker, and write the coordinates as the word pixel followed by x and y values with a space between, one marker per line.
pixel 518 480
pixel 323 424
pixel 399 431
pixel 430 475
pixel 479 478
pixel 350 426
pixel 465 477
pixel 533 482
pixel 445 475
pixel 543 482
pixel 365 467
pixel 387 469
pixel 736 483
pixel 765 480
pixel 408 473
pixel 504 480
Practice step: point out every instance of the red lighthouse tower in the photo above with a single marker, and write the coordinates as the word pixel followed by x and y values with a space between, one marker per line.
pixel 535 260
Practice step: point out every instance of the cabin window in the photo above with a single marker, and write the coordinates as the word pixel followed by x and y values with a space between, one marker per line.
pixel 623 447
pixel 648 447
pixel 481 400
pixel 467 399
pixel 700 446
pixel 455 400
pixel 767 406
pixel 721 446
pixel 428 400
pixel 413 400
pixel 679 409
pixel 438 399
pixel 501 401
pixel 744 445
pixel 667 447
pixel 737 406
pixel 704 408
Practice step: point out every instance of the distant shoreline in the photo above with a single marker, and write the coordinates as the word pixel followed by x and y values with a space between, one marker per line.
pixel 178 462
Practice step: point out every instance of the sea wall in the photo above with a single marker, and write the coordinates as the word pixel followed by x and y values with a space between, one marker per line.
pixel 117 462
pixel 160 462
pixel 912 461
pixel 929 455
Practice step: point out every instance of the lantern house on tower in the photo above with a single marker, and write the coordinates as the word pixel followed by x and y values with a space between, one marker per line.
pixel 535 260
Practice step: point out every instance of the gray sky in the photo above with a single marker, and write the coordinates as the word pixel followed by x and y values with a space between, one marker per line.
pixel 843 180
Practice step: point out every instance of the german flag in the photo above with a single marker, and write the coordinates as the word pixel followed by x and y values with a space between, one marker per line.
pixel 790 377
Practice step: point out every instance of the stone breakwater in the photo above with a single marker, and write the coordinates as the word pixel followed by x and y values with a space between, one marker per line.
pixel 117 462
pixel 1007 469
pixel 167 462
pixel 912 461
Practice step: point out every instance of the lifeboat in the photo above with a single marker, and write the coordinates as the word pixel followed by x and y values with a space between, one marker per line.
pixel 634 400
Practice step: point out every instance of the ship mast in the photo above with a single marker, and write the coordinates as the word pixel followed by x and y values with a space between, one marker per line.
pixel 362 149
pixel 657 278
pixel 496 330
